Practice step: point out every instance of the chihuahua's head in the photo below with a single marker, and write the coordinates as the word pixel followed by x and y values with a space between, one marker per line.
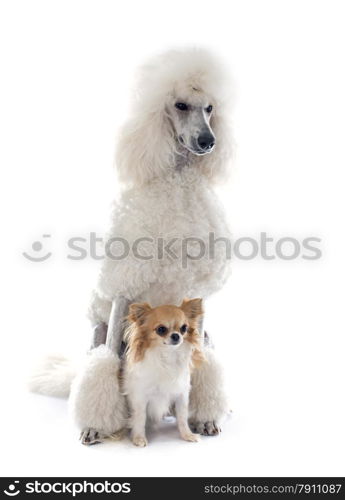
pixel 165 326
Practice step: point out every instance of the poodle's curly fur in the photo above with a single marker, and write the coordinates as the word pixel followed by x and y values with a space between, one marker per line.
pixel 162 202
pixel 168 198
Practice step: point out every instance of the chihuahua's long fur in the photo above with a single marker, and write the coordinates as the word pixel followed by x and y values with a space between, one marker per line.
pixel 163 348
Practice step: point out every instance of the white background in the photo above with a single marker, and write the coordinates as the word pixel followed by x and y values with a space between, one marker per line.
pixel 278 325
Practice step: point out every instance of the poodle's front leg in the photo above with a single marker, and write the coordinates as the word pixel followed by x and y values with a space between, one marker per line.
pixel 99 336
pixel 97 403
pixel 119 311
pixel 208 403
pixel 112 333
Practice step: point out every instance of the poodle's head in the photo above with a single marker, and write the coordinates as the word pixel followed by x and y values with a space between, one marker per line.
pixel 179 118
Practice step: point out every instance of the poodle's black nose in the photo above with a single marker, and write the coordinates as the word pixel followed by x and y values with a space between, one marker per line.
pixel 206 141
pixel 175 338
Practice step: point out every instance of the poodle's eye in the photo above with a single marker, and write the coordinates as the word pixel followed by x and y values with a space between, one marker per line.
pixel 183 329
pixel 161 330
pixel 182 106
pixel 209 108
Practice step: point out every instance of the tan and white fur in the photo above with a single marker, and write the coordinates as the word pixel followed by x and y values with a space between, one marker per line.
pixel 163 348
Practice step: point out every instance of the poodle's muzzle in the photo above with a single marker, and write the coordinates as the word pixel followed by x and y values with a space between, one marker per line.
pixel 206 142
pixel 201 144
pixel 194 130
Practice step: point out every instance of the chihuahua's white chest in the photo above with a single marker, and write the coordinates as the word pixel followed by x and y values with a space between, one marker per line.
pixel 158 380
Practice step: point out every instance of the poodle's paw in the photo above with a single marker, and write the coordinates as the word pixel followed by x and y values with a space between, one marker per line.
pixel 190 436
pixel 210 428
pixel 140 441
pixel 91 436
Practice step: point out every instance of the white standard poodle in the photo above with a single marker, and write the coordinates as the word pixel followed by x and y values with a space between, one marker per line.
pixel 168 237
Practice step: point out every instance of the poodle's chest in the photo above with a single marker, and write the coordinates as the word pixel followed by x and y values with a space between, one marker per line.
pixel 168 212
pixel 170 242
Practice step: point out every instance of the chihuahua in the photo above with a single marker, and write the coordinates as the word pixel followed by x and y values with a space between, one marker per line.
pixel 163 346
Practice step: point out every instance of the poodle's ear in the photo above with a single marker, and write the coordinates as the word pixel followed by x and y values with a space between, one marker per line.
pixel 192 308
pixel 137 312
pixel 146 146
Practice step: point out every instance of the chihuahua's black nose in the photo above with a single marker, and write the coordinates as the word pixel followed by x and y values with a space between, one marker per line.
pixel 206 141
pixel 175 338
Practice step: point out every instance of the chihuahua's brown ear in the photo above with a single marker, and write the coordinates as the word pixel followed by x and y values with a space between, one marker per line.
pixel 137 312
pixel 192 308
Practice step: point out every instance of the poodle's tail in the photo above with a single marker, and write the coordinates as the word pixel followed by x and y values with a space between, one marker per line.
pixel 53 377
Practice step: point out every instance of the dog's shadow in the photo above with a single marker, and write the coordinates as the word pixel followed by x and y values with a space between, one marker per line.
pixel 165 430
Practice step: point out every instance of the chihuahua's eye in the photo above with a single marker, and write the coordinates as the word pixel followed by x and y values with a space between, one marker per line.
pixel 183 328
pixel 161 330
pixel 182 106
pixel 209 108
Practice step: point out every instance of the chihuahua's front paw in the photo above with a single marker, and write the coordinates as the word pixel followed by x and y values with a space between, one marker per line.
pixel 91 436
pixel 190 436
pixel 140 441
